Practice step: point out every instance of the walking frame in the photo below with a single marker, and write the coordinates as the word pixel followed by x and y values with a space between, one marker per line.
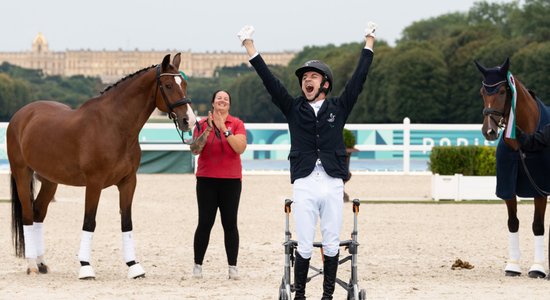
pixel 287 287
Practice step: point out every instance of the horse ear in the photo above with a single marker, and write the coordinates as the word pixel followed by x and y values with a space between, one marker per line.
pixel 177 60
pixel 505 66
pixel 480 67
pixel 166 62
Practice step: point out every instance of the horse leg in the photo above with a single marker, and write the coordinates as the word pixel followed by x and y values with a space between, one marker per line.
pixel 88 227
pixel 45 196
pixel 537 269
pixel 126 194
pixel 22 216
pixel 512 267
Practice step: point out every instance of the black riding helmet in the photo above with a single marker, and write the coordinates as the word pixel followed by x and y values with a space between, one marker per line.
pixel 319 67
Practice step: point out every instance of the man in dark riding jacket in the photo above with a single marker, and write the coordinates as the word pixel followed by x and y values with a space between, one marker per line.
pixel 317 155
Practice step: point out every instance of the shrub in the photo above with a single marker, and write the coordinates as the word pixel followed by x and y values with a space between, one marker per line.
pixel 349 138
pixel 486 161
pixel 465 160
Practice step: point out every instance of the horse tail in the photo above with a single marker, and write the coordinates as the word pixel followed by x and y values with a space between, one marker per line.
pixel 17 218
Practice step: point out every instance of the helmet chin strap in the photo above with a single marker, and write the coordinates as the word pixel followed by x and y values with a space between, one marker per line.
pixel 321 90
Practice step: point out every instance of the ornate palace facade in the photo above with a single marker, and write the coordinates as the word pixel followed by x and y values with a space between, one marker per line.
pixel 110 66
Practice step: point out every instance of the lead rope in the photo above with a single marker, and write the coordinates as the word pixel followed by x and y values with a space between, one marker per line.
pixel 180 132
pixel 535 186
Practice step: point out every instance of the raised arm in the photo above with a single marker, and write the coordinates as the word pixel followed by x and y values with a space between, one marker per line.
pixel 354 85
pixel 278 92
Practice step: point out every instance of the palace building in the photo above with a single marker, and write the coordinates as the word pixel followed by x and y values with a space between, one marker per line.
pixel 111 66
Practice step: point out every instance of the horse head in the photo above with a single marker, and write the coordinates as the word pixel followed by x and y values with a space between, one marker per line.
pixel 496 99
pixel 172 98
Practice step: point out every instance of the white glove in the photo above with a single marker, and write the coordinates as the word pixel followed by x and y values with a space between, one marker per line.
pixel 371 28
pixel 246 33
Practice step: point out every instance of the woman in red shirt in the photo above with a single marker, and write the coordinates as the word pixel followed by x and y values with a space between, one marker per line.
pixel 219 141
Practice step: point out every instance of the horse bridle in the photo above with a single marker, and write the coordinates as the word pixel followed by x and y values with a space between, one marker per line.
pixel 184 101
pixel 171 106
pixel 491 112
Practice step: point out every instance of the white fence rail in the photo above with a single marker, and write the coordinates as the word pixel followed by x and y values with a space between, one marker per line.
pixel 405 146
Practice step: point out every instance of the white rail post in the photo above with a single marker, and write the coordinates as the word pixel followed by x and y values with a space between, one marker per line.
pixel 406 145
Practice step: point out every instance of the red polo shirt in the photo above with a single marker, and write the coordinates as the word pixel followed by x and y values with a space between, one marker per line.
pixel 218 159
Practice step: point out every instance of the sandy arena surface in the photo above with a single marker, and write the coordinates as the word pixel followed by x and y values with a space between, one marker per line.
pixel 406 250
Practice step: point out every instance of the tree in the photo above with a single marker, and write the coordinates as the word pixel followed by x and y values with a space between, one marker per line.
pixel 532 22
pixel 14 93
pixel 531 65
pixel 253 102
pixel 417 85
pixel 464 103
pixel 434 29
pixel 496 15
pixel 372 104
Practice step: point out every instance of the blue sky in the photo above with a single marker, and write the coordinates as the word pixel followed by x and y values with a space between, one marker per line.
pixel 207 25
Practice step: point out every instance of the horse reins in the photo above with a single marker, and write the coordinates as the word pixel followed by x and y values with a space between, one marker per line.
pixel 184 101
pixel 501 123
pixel 537 188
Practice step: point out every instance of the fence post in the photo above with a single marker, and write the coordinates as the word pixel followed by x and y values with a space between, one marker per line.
pixel 406 145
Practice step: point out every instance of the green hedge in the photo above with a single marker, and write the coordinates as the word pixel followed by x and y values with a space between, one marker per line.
pixel 465 160
pixel 349 138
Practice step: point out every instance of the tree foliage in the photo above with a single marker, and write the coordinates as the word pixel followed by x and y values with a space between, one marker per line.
pixel 20 86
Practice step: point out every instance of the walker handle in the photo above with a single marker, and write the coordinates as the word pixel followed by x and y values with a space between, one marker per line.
pixel 356 204
pixel 288 203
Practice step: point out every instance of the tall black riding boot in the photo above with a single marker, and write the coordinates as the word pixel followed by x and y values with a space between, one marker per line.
pixel 301 267
pixel 330 268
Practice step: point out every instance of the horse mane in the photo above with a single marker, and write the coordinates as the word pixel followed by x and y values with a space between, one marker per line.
pixel 126 77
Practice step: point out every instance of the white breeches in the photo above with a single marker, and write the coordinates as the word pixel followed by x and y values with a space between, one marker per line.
pixel 318 196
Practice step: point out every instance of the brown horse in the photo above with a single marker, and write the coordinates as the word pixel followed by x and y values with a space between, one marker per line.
pixel 95 146
pixel 516 174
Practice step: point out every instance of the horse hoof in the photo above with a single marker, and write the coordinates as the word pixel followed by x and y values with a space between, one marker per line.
pixel 43 269
pixel 537 271
pixel 136 271
pixel 512 269
pixel 512 273
pixel 86 272
pixel 32 271
pixel 537 274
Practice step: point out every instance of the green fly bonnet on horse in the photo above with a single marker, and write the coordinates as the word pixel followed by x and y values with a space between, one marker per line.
pixel 493 78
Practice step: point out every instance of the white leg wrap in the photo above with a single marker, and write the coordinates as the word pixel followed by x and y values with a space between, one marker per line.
pixel 39 236
pixel 136 271
pixel 30 241
pixel 513 246
pixel 539 249
pixel 86 272
pixel 128 246
pixel 537 270
pixel 85 251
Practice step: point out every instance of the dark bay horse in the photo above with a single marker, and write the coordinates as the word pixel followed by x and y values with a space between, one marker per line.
pixel 95 146
pixel 527 177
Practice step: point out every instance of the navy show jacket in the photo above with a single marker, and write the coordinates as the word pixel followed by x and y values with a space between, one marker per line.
pixel 321 136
